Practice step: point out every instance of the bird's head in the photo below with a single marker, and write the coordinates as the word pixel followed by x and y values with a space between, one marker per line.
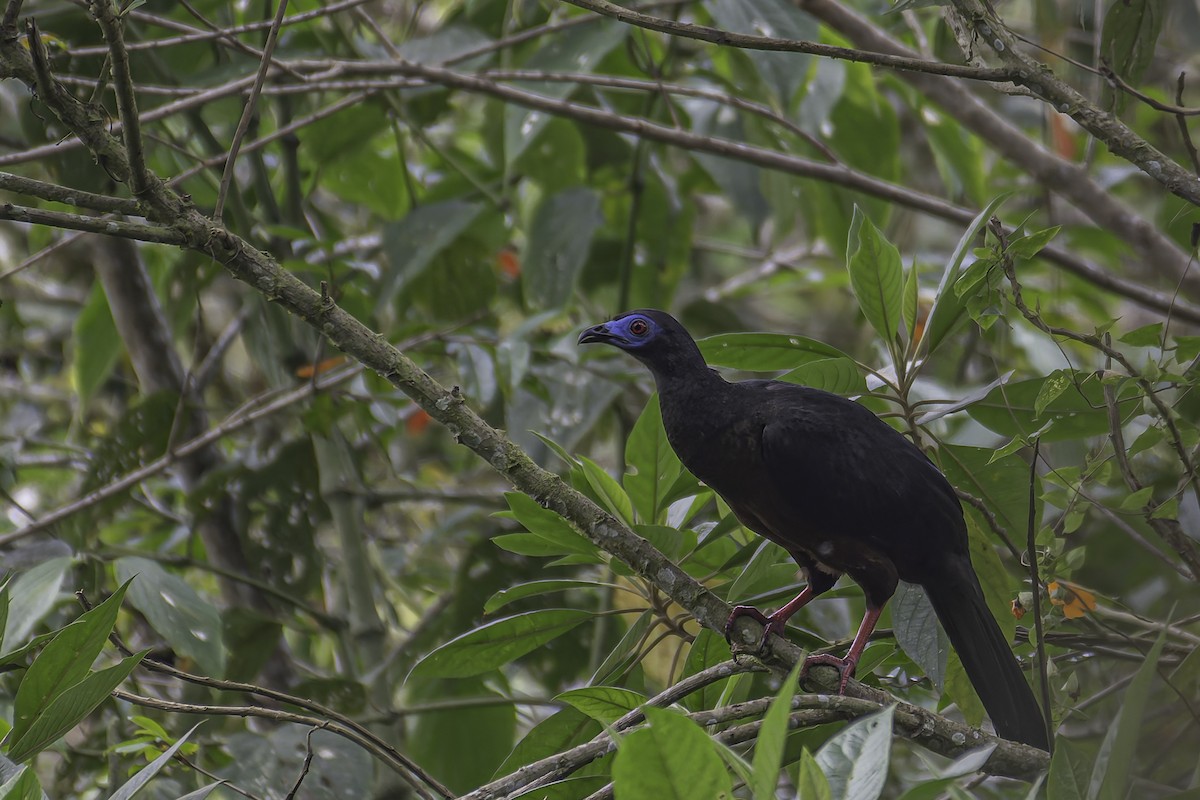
pixel 653 337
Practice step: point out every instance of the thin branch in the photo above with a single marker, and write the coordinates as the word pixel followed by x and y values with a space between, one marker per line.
pixel 109 19
pixel 65 194
pixel 77 222
pixel 1042 83
pixel 250 110
pixel 1036 583
pixel 9 22
pixel 773 44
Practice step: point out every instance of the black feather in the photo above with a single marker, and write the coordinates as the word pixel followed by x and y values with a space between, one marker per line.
pixel 840 490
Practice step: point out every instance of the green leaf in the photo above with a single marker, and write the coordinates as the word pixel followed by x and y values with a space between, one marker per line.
pixel 546 525
pixel 1146 336
pixel 783 73
pixel 671 759
pixel 190 624
pixel 961 692
pixel 68 709
pixel 772 735
pixel 147 773
pixel 1055 384
pixel 837 375
pixel 654 465
pixel 918 633
pixel 575 49
pixel 33 593
pixel 497 643
pixel 611 495
pixel 558 732
pixel 605 704
pixel 764 352
pixel 1029 245
pixel 439 739
pixel 22 786
pixel 1128 39
pixel 534 589
pixel 1078 412
pixel 911 302
pixel 708 650
pixel 621 656
pixel 811 783
pixel 412 243
pixel 949 312
pixel 1070 771
pixel 62 664
pixel 1111 777
pixel 856 760
pixel 876 276
pixel 560 237
pixel 96 346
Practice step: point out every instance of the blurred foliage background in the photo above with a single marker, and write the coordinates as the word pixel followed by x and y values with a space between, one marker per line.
pixel 289 520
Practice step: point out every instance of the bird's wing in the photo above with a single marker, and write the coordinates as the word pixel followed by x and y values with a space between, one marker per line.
pixel 847 471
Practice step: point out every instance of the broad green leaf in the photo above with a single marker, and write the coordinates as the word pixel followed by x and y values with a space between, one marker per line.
pixel 560 238
pixel 653 463
pixel 997 584
pixel 611 495
pixel 190 624
pixel 876 276
pixel 670 759
pixel 532 544
pixel 1029 245
pixel 440 738
pixel 1128 40
pixel 620 657
pixel 918 633
pixel 22 786
pixel 961 692
pixel 534 589
pixel 1111 775
pixel 412 243
pixel 68 709
pixel 949 312
pixel 576 49
pixel 837 375
pixel 96 346
pixel 707 650
pixel 546 524
pixel 4 600
pixel 147 773
pixel 764 352
pixel 772 735
pixel 1078 412
pixel 911 303
pixel 497 643
pixel 811 783
pixel 856 760
pixel 33 593
pixel 1145 336
pixel 605 704
pixel 1070 771
pixel 202 792
pixel 62 664
pixel 783 73
pixel 558 732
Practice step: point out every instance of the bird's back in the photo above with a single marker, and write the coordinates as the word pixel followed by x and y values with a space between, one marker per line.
pixel 810 469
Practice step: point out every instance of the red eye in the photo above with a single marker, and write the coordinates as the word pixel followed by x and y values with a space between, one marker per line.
pixel 639 327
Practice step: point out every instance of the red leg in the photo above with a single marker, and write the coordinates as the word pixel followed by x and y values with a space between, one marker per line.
pixel 846 665
pixel 773 623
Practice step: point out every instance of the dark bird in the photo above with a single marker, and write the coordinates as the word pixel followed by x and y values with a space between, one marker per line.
pixel 841 491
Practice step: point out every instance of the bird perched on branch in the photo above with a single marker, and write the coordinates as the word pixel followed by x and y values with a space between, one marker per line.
pixel 838 489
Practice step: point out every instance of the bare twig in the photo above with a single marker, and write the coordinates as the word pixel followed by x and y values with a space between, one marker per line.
pixel 109 19
pixel 65 194
pixel 77 222
pixel 1036 584
pixel 250 110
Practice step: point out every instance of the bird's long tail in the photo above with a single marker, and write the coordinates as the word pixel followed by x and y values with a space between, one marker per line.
pixel 986 656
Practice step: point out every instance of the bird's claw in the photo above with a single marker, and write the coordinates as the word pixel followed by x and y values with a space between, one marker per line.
pixel 769 623
pixel 844 666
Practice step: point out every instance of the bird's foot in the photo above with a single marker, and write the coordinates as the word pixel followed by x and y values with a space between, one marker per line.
pixel 844 666
pixel 770 624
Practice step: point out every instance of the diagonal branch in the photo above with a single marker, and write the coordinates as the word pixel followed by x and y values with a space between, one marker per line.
pixel 109 19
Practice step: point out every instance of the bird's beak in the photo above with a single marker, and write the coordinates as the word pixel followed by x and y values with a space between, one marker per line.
pixel 599 333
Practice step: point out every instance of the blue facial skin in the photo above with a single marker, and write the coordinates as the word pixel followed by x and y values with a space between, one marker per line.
pixel 629 332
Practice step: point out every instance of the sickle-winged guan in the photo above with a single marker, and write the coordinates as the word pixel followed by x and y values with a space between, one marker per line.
pixel 841 491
